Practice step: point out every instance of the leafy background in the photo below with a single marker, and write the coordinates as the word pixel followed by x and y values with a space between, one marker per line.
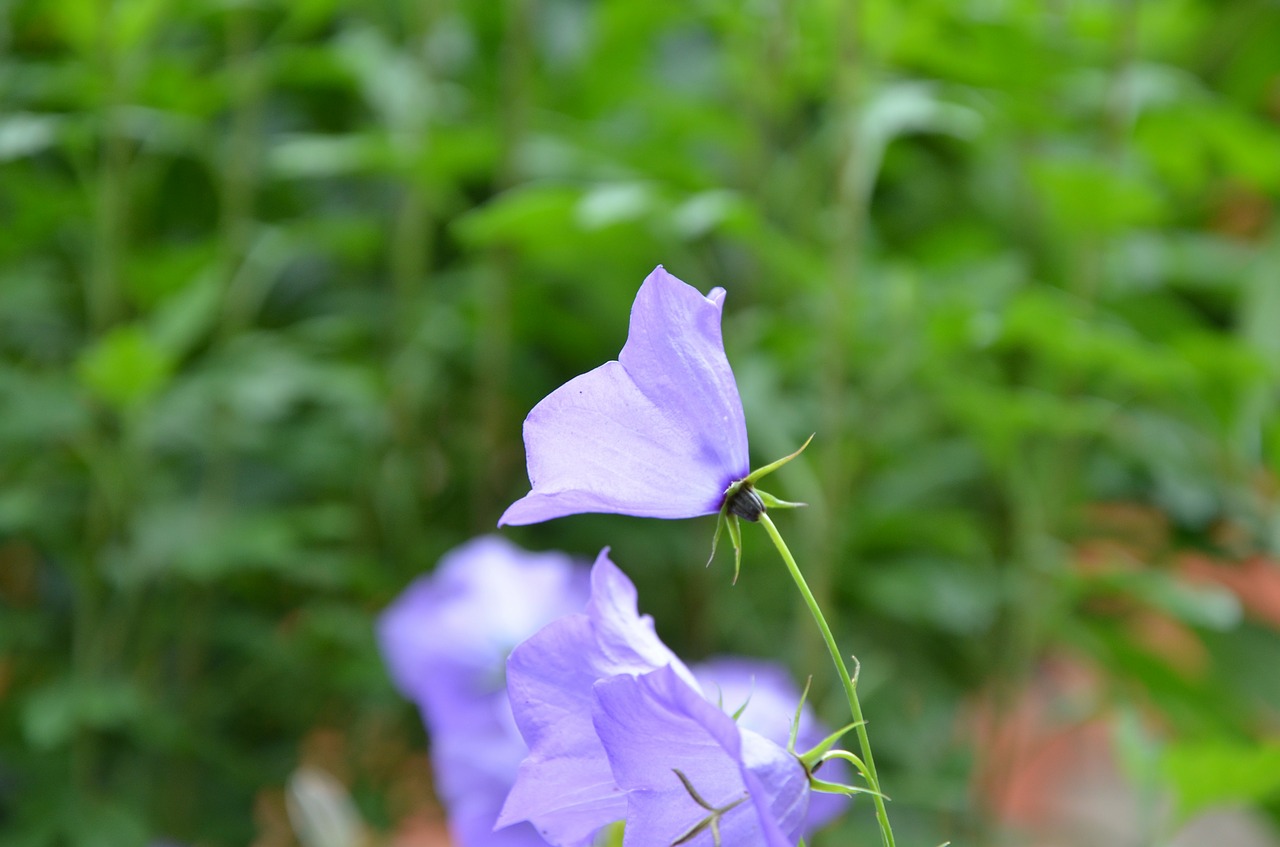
pixel 279 280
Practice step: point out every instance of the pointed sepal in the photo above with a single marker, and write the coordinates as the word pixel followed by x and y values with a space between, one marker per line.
pixel 735 535
pixel 771 502
pixel 811 758
pixel 841 788
pixel 760 473
pixel 721 520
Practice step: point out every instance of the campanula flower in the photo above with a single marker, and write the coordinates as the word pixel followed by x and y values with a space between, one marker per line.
pixel 445 641
pixel 593 761
pixel 658 433
pixel 565 786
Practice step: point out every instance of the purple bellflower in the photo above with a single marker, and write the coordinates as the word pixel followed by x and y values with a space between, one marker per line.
pixel 445 641
pixel 659 433
pixel 619 728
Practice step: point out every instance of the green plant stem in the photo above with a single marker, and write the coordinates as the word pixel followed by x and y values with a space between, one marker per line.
pixel 850 688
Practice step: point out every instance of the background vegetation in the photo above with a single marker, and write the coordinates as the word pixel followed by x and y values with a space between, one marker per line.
pixel 279 280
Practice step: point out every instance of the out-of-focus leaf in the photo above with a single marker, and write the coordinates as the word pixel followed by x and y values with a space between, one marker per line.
pixel 26 134
pixel 896 110
pixel 613 203
pixel 947 595
pixel 1201 605
pixel 1092 196
pixel 125 367
pixel 1216 772
pixel 178 325
pixel 54 714
pixel 309 157
pixel 38 410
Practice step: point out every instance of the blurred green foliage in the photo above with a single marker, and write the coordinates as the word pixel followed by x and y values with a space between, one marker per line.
pixel 279 280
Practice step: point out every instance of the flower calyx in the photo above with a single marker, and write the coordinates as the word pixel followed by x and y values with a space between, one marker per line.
pixel 743 500
pixel 711 821
pixel 822 752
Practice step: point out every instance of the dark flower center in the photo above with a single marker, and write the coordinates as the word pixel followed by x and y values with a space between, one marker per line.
pixel 746 503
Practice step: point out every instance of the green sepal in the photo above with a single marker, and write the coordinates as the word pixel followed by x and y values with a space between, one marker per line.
pixel 737 714
pixel 715 539
pixel 848 757
pixel 711 821
pixel 611 836
pixel 771 502
pixel 841 788
pixel 795 723
pixel 735 535
pixel 725 520
pixel 810 758
pixel 760 473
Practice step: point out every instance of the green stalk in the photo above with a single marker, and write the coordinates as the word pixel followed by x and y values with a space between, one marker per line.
pixel 850 687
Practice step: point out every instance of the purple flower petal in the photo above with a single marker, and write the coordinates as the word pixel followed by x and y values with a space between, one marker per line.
pixel 655 724
pixel 659 433
pixel 445 641
pixel 771 697
pixel 565 786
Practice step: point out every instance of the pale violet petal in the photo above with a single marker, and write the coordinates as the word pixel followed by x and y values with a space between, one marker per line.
pixel 565 787
pixel 657 723
pixel 659 433
pixel 768 697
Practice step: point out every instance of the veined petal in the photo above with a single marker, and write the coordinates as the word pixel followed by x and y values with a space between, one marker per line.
pixel 653 725
pixel 675 354
pixel 565 786
pixel 658 433
pixel 767 696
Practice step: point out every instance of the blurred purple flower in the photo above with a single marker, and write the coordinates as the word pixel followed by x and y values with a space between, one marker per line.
pixel 659 433
pixel 610 714
pixel 445 641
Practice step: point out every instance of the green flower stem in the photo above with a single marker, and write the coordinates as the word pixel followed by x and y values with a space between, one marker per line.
pixel 850 689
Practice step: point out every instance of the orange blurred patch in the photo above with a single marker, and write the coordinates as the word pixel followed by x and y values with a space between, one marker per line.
pixel 1137 525
pixel 271 820
pixel 326 750
pixel 1011 732
pixel 1106 555
pixel 1242 212
pixel 1046 768
pixel 1171 640
pixel 1255 581
pixel 18 566
pixel 421 831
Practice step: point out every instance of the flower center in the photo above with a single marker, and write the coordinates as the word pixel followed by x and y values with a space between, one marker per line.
pixel 746 503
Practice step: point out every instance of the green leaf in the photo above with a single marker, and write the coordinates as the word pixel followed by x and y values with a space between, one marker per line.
pixel 125 368
pixel 53 715
pixel 1212 773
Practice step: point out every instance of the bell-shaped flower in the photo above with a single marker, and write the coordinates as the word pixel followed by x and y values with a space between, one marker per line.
pixel 445 641
pixel 565 786
pixel 658 433
pixel 578 777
